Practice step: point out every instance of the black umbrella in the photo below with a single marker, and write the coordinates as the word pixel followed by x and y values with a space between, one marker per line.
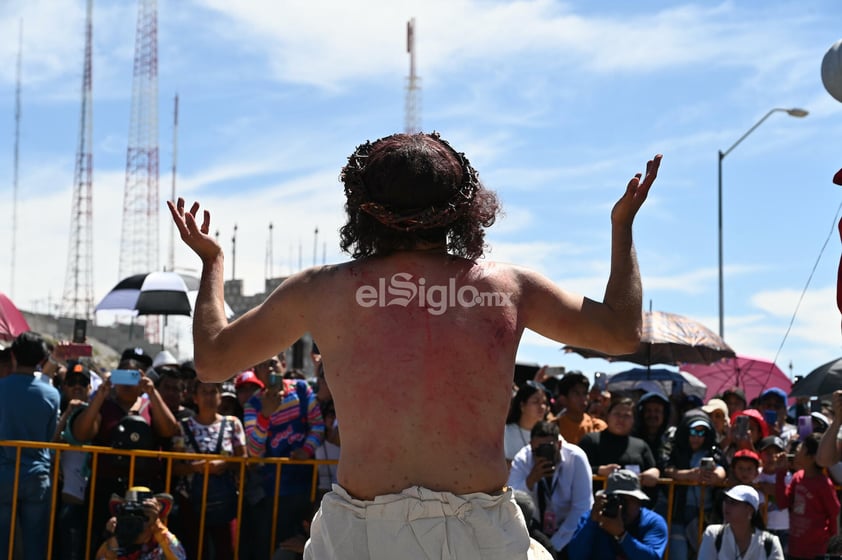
pixel 823 380
pixel 668 338
pixel 154 293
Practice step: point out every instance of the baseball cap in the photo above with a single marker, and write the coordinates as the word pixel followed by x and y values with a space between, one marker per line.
pixel 774 392
pixel 228 390
pixel 248 376
pixel 716 404
pixel 137 354
pixel 746 454
pixel 771 441
pixel 625 482
pixel 745 494
pixel 79 369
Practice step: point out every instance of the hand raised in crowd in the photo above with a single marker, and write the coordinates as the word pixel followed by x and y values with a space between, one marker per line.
pixel 626 208
pixel 194 235
pixel 146 384
pixel 541 467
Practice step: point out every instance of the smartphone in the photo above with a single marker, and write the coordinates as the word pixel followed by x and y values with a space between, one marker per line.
pixel 275 379
pixel 599 381
pixel 555 371
pixel 546 451
pixel 805 427
pixel 80 328
pixel 741 425
pixel 707 464
pixel 815 405
pixel 125 376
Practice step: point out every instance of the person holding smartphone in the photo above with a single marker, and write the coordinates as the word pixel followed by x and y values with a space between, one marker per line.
pixel 619 525
pixel 694 458
pixel 557 476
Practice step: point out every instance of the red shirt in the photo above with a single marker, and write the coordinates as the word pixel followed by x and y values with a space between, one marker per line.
pixel 813 509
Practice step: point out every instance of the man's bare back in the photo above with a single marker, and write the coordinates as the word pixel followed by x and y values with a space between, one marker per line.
pixel 421 391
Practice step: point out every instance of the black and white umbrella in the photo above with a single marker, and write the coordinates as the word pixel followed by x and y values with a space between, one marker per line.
pixel 154 293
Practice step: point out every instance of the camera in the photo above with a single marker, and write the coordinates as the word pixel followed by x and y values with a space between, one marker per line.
pixel 131 522
pixel 612 505
pixel 546 451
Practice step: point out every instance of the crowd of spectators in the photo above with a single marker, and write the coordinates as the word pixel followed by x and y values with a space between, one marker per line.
pixel 590 469
pixel 158 404
pixel 745 477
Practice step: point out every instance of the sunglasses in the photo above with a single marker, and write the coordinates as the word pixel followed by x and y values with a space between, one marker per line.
pixel 700 432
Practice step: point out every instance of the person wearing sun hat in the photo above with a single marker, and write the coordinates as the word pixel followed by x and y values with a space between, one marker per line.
pixel 634 533
pixel 717 411
pixel 742 535
pixel 139 518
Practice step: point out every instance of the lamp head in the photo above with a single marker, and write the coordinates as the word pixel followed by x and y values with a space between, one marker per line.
pixel 795 112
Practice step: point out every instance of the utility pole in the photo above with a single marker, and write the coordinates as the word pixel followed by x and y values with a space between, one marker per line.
pixel 413 87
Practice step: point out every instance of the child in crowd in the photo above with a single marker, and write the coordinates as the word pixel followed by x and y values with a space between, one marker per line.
pixel 811 499
pixel 777 517
pixel 745 467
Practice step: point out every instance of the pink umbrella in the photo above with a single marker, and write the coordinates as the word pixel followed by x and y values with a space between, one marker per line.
pixel 752 375
pixel 12 322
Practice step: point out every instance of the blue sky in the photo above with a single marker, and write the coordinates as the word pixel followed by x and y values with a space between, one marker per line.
pixel 556 104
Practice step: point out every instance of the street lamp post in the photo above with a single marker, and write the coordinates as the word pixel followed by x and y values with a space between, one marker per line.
pixel 792 113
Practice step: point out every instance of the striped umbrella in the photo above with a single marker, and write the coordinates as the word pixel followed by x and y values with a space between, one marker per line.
pixel 668 338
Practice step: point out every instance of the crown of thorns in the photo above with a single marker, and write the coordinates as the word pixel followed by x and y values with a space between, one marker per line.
pixel 414 218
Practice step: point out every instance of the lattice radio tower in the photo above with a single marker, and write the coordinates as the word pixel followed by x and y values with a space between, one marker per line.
pixel 140 237
pixel 413 87
pixel 78 296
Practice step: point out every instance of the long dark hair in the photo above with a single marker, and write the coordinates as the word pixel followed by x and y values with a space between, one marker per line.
pixel 523 394
pixel 405 190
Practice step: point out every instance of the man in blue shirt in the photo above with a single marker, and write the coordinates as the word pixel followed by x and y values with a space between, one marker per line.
pixel 29 411
pixel 630 531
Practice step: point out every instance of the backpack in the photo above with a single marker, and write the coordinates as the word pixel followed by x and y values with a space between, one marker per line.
pixel 765 539
pixel 132 432
pixel 221 498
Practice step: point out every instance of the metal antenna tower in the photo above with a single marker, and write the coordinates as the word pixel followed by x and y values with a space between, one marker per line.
pixel 413 88
pixel 16 163
pixel 171 260
pixel 139 241
pixel 78 298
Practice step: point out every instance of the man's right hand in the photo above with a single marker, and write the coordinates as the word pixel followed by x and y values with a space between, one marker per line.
pixel 541 467
pixel 195 236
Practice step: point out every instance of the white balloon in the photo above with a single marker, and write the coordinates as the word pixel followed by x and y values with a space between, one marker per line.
pixel 832 70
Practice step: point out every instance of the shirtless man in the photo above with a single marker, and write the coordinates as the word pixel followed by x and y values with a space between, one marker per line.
pixel 423 420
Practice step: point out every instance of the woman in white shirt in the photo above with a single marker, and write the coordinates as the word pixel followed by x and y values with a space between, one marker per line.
pixel 528 407
pixel 743 536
